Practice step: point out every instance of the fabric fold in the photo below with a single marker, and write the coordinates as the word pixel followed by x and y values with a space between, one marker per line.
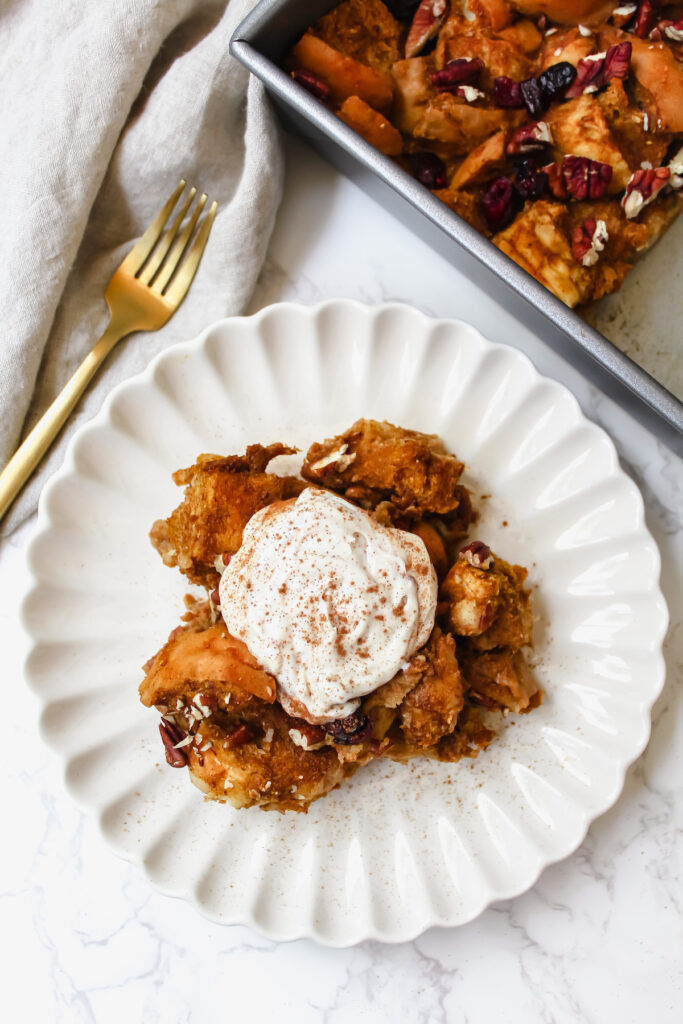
pixel 103 109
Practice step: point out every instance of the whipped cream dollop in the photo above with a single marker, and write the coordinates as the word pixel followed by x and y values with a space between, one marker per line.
pixel 328 601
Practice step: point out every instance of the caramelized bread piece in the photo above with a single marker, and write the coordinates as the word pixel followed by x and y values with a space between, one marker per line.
pixel 406 467
pixel 486 599
pixel 221 496
pixel 501 677
pixel 344 75
pixel 372 125
pixel 362 29
pixel 431 709
pixel 209 661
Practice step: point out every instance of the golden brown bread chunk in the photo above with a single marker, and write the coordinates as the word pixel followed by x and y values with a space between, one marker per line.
pixel 362 29
pixel 502 677
pixel 539 240
pixel 344 75
pixel 413 91
pixel 481 162
pixel 221 496
pixel 579 128
pixel 406 467
pixel 498 56
pixel 431 709
pixel 207 661
pixel 456 127
pixel 626 126
pixel 372 125
pixel 487 601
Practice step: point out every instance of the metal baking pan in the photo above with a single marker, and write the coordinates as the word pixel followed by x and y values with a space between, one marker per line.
pixel 262 42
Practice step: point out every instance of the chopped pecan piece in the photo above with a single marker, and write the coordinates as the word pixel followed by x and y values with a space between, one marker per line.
pixel 643 187
pixel 427 21
pixel 239 737
pixel 313 84
pixel 598 69
pixel 457 73
pixel 478 554
pixel 530 138
pixel 589 240
pixel 171 735
pixel 645 19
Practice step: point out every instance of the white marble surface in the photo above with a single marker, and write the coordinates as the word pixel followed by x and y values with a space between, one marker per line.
pixel 598 939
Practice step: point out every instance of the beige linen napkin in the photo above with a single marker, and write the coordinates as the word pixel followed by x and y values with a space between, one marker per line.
pixel 103 108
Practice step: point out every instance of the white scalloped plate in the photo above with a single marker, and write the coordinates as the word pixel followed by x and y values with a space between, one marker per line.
pixel 398 848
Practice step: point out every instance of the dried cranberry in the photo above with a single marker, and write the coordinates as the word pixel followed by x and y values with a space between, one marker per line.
pixel 456 72
pixel 500 203
pixel 533 96
pixel 355 728
pixel 506 92
pixel 556 79
pixel 531 181
pixel 403 9
pixel 311 83
pixel 584 178
pixel 429 170
pixel 645 20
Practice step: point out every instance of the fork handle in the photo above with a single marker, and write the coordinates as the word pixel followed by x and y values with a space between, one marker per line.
pixel 30 453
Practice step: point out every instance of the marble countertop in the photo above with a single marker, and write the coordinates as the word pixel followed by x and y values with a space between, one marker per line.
pixel 598 939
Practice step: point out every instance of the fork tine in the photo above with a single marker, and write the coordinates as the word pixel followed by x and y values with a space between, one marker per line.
pixel 141 250
pixel 183 279
pixel 159 254
pixel 173 261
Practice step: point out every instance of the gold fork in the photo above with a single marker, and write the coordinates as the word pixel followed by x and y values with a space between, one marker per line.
pixel 142 295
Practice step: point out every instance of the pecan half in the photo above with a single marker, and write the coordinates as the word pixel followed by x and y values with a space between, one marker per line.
pixel 672 30
pixel 313 84
pixel 645 20
pixel 427 20
pixel 585 178
pixel 457 72
pixel 171 734
pixel 621 16
pixel 588 241
pixel 477 554
pixel 643 187
pixel 598 69
pixel 530 138
pixel 239 737
pixel 306 735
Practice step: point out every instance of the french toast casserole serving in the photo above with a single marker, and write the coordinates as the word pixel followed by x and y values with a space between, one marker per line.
pixel 554 127
pixel 346 616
